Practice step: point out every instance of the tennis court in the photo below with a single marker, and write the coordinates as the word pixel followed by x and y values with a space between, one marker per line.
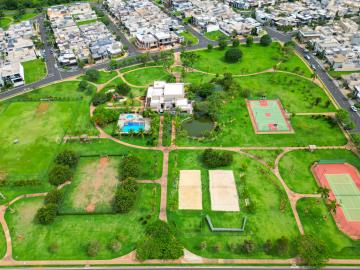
pixel 346 193
pixel 268 116
pixel 343 180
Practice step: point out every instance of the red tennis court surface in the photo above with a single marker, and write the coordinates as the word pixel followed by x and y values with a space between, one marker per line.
pixel 343 180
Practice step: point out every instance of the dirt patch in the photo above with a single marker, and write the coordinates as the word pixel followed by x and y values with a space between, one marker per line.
pixel 3 175
pixel 43 107
pixel 97 185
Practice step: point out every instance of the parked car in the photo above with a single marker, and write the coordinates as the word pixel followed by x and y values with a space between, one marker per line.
pixel 307 57
pixel 313 67
pixel 353 108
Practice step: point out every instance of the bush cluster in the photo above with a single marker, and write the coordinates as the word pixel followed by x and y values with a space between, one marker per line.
pixel 159 243
pixel 125 196
pixel 213 158
pixel 47 213
pixel 101 98
pixel 129 167
pixel 62 171
pixel 19 183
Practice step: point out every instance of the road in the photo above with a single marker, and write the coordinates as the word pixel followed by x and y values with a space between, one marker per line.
pixel 322 74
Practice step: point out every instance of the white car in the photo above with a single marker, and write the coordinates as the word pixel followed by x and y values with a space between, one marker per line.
pixel 307 57
pixel 353 108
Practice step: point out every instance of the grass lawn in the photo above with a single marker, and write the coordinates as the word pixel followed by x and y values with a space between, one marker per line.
pixel 104 76
pixel 146 76
pixel 215 35
pixel 86 22
pixel 269 156
pixel 28 16
pixel 34 70
pixel 295 167
pixel 71 234
pixel 189 37
pixel 255 59
pixel 5 22
pixel 138 92
pixel 317 220
pixel 39 127
pixel 295 65
pixel 271 219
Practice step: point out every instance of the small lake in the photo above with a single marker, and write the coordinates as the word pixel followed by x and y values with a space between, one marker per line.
pixel 198 127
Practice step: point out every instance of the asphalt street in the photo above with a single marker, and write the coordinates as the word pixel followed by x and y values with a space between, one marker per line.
pixel 322 74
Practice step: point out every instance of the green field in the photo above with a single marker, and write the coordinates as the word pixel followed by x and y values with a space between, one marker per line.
pixel 295 167
pixel 34 70
pixel 146 76
pixel 271 219
pixel 137 92
pixel 215 35
pixel 86 22
pixel 104 77
pixel 71 234
pixel 5 22
pixel 189 37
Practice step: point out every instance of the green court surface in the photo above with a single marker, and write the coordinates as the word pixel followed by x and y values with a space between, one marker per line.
pixel 347 194
pixel 268 116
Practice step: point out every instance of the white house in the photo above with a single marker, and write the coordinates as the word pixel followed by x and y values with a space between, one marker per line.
pixel 163 96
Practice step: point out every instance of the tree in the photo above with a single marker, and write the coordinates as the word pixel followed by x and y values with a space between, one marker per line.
pixel 268 246
pixel 125 196
pixel 67 157
pixel 123 89
pixel 59 175
pixel 80 63
pixel 46 214
pixel 54 196
pixel 213 158
pixel 113 64
pixel 312 251
pixel 342 115
pixel 233 55
pixel 83 85
pixel 129 167
pixel 210 47
pixel 324 191
pixel 222 43
pixel 93 248
pixel 254 31
pixel 249 41
pixel 236 43
pixel 265 40
pixel 332 206
pixel 92 75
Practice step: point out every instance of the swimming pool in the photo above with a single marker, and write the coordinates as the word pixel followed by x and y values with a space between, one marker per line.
pixel 135 127
pixel 130 116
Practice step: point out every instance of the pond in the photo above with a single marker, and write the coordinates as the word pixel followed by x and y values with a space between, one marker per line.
pixel 198 127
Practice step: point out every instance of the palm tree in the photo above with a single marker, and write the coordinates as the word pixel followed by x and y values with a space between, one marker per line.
pixel 131 133
pixel 141 133
pixel 332 206
pixel 324 191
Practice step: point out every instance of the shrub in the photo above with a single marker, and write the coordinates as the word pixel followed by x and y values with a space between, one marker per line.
pixel 267 247
pixel 222 43
pixel 236 43
pixel 248 246
pixel 53 248
pixel 281 246
pixel 101 98
pixel 213 158
pixel 46 214
pixel 249 41
pixel 233 55
pixel 93 248
pixel 129 167
pixel 55 196
pixel 59 175
pixel 83 85
pixel 115 245
pixel 102 116
pixel 67 157
pixel 265 40
pixel 210 47
pixel 159 243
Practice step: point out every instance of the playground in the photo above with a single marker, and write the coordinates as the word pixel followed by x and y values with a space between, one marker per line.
pixel 268 116
pixel 343 181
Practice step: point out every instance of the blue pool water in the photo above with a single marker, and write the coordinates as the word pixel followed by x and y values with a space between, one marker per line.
pixel 130 116
pixel 135 127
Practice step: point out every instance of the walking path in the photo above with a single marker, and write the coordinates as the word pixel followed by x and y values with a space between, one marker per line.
pixel 189 257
